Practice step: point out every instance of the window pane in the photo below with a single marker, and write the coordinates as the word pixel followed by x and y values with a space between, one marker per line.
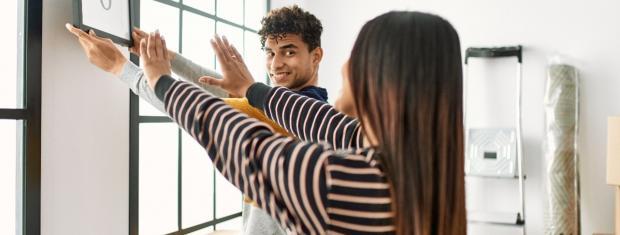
pixel 255 10
pixel 254 57
pixel 10 20
pixel 147 109
pixel 197 184
pixel 231 10
pixel 228 198
pixel 8 176
pixel 233 34
pixel 155 15
pixel 207 6
pixel 230 225
pixel 197 31
pixel 158 178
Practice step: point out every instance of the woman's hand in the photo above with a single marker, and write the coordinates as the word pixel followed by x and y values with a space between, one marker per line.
pixel 154 58
pixel 100 51
pixel 137 35
pixel 236 76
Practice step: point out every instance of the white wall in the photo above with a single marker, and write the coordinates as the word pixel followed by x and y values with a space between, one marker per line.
pixel 85 114
pixel 585 31
pixel 85 138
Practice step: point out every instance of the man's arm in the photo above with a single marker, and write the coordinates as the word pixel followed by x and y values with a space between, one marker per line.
pixel 185 68
pixel 191 72
pixel 133 77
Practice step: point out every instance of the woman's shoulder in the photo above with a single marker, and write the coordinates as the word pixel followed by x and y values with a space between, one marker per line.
pixel 356 158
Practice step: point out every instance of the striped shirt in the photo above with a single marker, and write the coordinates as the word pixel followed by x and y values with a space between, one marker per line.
pixel 335 187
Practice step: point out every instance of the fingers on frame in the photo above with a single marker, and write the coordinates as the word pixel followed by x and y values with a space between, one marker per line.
pixel 77 32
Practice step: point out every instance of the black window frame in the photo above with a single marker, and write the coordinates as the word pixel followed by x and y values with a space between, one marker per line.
pixel 135 119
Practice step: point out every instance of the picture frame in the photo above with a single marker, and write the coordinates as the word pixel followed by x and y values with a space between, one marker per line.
pixel 107 18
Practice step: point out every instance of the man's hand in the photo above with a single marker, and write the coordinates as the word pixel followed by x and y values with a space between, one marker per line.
pixel 138 35
pixel 100 51
pixel 236 76
pixel 154 57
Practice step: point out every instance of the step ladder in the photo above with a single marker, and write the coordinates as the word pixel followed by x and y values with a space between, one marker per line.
pixel 496 153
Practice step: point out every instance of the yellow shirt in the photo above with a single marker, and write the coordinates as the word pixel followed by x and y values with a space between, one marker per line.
pixel 244 106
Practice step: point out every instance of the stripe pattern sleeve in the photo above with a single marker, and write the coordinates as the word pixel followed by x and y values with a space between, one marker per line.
pixel 308 188
pixel 286 178
pixel 312 120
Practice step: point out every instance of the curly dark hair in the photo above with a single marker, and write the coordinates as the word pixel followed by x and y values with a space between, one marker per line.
pixel 291 20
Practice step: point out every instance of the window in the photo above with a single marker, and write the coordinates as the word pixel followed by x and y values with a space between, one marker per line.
pixel 20 118
pixel 173 185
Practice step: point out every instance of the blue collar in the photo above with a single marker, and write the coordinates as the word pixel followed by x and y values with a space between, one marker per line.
pixel 314 92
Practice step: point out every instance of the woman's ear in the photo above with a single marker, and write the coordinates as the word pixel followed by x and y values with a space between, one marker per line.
pixel 345 102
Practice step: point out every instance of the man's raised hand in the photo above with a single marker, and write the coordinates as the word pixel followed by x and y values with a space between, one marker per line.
pixel 236 76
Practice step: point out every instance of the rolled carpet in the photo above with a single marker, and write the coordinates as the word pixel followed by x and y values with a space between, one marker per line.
pixel 560 149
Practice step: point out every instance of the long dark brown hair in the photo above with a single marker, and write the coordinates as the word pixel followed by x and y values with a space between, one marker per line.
pixel 406 77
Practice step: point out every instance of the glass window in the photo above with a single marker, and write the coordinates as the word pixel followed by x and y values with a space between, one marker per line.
pixel 197 181
pixel 254 57
pixel 15 146
pixel 197 33
pixel 158 16
pixel 202 193
pixel 207 6
pixel 253 14
pixel 158 178
pixel 13 29
pixel 227 196
pixel 231 10
pixel 8 175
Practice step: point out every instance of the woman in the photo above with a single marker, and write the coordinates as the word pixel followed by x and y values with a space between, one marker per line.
pixel 403 82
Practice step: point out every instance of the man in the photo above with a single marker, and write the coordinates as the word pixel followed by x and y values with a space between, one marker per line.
pixel 290 38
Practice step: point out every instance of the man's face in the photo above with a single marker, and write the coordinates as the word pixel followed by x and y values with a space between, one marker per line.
pixel 289 62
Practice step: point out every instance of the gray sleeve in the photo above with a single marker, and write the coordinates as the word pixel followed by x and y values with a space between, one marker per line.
pixel 191 72
pixel 134 78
